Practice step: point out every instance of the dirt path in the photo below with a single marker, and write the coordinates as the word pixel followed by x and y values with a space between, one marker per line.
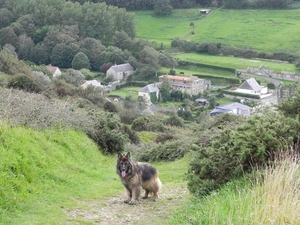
pixel 112 211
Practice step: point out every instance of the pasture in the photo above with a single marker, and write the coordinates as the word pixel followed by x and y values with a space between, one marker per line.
pixel 262 30
pixel 235 63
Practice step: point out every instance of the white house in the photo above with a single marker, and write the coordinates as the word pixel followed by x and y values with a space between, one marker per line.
pixel 120 72
pixel 234 108
pixel 251 86
pixel 148 90
pixel 55 71
pixel 94 83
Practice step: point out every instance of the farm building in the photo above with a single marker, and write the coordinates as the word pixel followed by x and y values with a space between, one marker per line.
pixel 120 72
pixel 191 85
pixel 204 11
pixel 234 108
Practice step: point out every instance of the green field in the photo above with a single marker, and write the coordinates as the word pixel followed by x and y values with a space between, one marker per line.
pixel 262 30
pixel 164 29
pixel 236 63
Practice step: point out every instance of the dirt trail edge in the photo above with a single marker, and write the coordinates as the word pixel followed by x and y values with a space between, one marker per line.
pixel 112 210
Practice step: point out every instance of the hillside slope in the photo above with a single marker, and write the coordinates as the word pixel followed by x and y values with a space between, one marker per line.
pixel 59 176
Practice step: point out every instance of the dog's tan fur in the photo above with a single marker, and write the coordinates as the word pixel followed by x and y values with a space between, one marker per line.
pixel 136 176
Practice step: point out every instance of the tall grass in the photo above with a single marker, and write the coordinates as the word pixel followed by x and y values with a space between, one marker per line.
pixel 272 199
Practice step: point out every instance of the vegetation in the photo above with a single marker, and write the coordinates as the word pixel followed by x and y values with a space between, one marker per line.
pixel 68 131
pixel 270 198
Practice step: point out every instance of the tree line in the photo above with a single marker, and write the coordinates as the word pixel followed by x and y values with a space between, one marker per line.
pixel 177 4
pixel 55 31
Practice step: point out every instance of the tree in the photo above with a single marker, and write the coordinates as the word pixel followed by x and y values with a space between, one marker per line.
pixel 6 17
pixel 62 55
pixel 162 7
pixel 40 34
pixel 150 57
pixel 167 60
pixel 80 61
pixel 8 36
pixel 40 55
pixel 165 90
pixel 122 40
pixel 25 46
pixel 92 48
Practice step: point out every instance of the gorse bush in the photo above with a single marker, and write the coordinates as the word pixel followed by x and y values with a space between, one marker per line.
pixel 147 123
pixel 238 150
pixel 22 82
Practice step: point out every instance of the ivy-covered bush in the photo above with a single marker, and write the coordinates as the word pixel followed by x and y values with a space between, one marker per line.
pixel 235 151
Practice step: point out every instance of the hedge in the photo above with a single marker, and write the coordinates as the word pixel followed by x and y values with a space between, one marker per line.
pixel 240 94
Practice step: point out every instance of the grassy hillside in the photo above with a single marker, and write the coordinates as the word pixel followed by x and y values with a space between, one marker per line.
pixel 236 63
pixel 262 30
pixel 46 174
pixel 164 29
pixel 43 172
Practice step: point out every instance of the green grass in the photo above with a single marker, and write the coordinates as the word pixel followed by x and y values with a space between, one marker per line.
pixel 262 30
pixel 45 173
pixel 126 91
pixel 164 29
pixel 235 63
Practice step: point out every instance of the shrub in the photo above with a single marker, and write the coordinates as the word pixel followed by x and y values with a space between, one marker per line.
pixel 167 151
pixel 127 116
pixel 133 137
pixel 236 151
pixel 23 82
pixel 175 121
pixel 163 137
pixel 110 107
pixel 147 123
pixel 107 133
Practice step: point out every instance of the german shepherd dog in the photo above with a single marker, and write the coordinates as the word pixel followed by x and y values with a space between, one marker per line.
pixel 136 176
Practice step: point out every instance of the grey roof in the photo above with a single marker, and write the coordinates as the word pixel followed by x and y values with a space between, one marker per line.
pixel 201 100
pixel 122 67
pixel 150 88
pixel 229 107
pixel 250 84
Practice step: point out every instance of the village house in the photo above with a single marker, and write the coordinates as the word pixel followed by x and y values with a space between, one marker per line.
pixel 54 70
pixel 234 108
pixel 148 90
pixel 93 83
pixel 250 86
pixel 120 72
pixel 191 85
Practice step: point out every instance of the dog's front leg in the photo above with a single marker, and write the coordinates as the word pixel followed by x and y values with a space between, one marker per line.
pixel 129 193
pixel 136 192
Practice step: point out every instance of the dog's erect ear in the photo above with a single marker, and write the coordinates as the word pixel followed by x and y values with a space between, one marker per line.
pixel 119 156
pixel 128 155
